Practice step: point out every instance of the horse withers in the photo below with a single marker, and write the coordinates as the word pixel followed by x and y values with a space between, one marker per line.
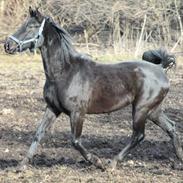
pixel 76 85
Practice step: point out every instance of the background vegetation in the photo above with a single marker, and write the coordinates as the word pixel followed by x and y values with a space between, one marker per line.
pixel 115 26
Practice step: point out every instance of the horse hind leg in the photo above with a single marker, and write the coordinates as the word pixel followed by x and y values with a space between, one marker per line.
pixel 139 119
pixel 167 125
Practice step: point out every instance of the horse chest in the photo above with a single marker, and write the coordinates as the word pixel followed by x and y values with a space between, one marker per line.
pixel 51 97
pixel 76 94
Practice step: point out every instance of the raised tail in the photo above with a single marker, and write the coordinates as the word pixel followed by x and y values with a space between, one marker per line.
pixel 161 57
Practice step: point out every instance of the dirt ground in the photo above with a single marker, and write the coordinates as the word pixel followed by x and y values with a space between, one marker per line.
pixel 22 106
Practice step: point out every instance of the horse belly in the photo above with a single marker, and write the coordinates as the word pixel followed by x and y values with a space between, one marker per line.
pixel 105 104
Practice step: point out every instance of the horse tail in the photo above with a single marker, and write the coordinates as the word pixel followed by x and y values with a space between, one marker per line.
pixel 160 56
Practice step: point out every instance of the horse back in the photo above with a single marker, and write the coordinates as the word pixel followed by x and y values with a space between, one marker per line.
pixel 118 85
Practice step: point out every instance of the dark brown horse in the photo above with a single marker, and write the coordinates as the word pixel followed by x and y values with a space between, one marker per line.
pixel 76 85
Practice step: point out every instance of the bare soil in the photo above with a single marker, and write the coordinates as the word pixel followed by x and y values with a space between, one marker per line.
pixel 22 106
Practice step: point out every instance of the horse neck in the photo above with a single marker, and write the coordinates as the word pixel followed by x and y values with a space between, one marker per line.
pixel 55 60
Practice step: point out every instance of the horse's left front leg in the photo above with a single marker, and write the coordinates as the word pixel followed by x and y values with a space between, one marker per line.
pixel 47 120
pixel 76 120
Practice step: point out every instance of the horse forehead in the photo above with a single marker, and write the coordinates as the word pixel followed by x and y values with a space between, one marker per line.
pixel 28 21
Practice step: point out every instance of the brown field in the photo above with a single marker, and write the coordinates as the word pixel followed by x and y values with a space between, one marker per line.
pixel 22 105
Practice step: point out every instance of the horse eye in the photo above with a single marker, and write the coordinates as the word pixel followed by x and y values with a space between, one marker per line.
pixel 31 26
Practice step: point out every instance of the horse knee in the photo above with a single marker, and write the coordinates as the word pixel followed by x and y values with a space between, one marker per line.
pixel 137 137
pixel 173 125
pixel 76 143
pixel 141 137
pixel 172 130
pixel 139 129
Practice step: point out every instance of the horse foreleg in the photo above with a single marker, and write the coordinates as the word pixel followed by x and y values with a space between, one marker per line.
pixel 46 122
pixel 76 120
pixel 160 119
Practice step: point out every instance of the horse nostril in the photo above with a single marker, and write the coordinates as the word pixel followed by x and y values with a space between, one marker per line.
pixel 10 46
pixel 6 46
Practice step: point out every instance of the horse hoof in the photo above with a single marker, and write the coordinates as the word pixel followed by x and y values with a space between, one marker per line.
pixel 99 165
pixel 177 166
pixel 111 165
pixel 97 162
pixel 21 168
pixel 23 165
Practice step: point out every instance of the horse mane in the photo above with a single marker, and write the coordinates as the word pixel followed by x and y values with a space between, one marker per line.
pixel 68 49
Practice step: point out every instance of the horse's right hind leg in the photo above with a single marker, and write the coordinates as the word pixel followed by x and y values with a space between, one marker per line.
pixel 160 119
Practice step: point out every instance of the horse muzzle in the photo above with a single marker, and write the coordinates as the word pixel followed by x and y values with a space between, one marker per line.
pixel 10 46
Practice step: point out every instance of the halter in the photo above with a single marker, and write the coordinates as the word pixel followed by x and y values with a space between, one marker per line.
pixel 33 40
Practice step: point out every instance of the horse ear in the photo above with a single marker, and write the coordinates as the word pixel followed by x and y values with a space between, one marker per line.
pixel 31 11
pixel 38 15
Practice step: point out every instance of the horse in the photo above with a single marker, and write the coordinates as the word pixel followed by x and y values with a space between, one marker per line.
pixel 160 57
pixel 76 85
